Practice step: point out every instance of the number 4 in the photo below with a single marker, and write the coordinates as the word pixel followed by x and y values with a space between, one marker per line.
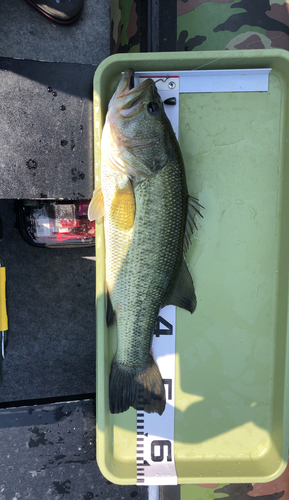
pixel 162 331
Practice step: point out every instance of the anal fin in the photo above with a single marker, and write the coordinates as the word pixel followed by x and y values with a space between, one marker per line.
pixel 183 294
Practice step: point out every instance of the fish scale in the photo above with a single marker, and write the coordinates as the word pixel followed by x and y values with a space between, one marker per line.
pixel 140 279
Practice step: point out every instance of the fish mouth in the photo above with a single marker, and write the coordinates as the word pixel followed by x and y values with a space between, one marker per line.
pixel 131 79
pixel 128 102
pixel 129 97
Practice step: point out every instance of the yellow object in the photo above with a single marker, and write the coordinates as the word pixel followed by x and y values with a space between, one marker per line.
pixel 3 308
pixel 123 207
pixel 231 410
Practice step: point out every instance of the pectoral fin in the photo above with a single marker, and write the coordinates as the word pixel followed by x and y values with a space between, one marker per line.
pixel 183 294
pixel 96 206
pixel 122 210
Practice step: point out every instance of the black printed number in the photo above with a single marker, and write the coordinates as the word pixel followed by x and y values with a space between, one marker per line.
pixel 169 383
pixel 168 330
pixel 158 449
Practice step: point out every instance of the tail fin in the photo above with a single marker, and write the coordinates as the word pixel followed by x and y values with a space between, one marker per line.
pixel 142 389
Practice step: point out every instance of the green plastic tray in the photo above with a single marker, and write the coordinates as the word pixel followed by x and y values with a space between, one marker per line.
pixel 231 414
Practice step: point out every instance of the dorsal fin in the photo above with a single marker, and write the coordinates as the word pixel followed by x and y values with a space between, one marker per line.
pixel 193 210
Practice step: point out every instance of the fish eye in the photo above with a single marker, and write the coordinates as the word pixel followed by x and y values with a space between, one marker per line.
pixel 153 108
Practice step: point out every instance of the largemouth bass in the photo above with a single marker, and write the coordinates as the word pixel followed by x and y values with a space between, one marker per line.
pixel 148 222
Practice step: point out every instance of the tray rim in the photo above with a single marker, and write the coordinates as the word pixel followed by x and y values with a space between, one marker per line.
pixel 143 61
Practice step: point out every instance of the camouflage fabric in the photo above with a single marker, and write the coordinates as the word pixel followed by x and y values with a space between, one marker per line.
pixel 124 26
pixel 206 24
pixel 232 24
pixel 213 25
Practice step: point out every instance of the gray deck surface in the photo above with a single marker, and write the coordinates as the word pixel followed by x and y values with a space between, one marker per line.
pixel 48 107
pixel 50 292
pixel 48 451
pixel 51 305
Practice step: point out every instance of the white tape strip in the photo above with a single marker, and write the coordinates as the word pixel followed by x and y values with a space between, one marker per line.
pixel 220 80
pixel 155 434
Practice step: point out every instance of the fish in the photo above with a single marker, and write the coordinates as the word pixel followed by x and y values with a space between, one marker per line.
pixel 149 219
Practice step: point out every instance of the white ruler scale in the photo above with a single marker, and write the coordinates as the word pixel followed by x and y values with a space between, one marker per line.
pixel 155 434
